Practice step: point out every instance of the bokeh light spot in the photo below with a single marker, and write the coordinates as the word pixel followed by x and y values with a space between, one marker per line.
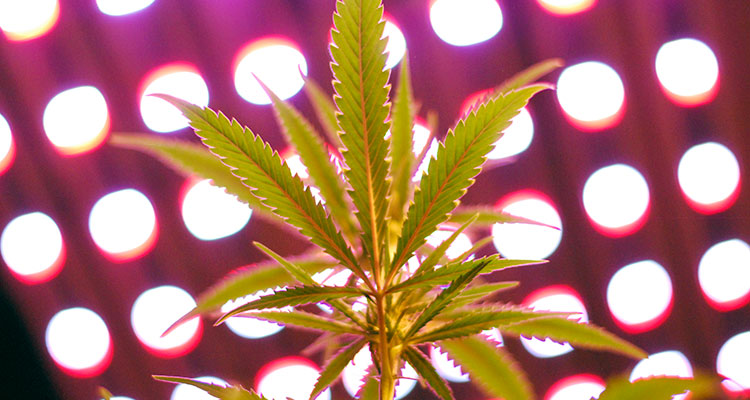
pixel 119 7
pixel 558 298
pixel 461 245
pixel 79 342
pixel 665 363
pixel 180 80
pixel 709 176
pixel 465 22
pixel 526 241
pixel 188 392
pixel 733 362
pixel 688 71
pixel 396 46
pixel 246 327
pixel 292 377
pixel 7 145
pixel 123 225
pixel 354 374
pixel 516 138
pixel 566 7
pixel 724 274
pixel 76 120
pixel 32 247
pixel 639 296
pixel 446 367
pixel 28 19
pixel 591 95
pixel 210 213
pixel 157 309
pixel 616 199
pixel 577 387
pixel 277 62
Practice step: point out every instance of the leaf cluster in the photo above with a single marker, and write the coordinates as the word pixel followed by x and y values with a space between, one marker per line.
pixel 371 222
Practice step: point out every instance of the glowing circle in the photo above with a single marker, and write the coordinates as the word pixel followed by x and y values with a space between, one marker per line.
pixel 119 7
pixel 616 200
pixel 187 392
pixel 276 62
pixel 28 19
pixel 179 80
pixel 123 224
pixel 591 95
pixel 461 245
pixel 733 362
pixel 688 71
pixel 526 241
pixel 246 327
pixel 639 296
pixel 396 46
pixel 32 247
pixel 554 298
pixel 724 274
pixel 665 363
pixel 566 7
pixel 157 309
pixel 446 367
pixel 76 120
pixel 466 22
pixel 577 387
pixel 210 213
pixel 7 146
pixel 292 377
pixel 78 340
pixel 516 138
pixel 709 176
pixel 355 372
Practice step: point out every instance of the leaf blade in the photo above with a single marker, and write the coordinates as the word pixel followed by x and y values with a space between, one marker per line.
pixel 306 320
pixel 333 369
pixel 425 369
pixel 402 121
pixel 660 388
pixel 491 367
pixel 222 392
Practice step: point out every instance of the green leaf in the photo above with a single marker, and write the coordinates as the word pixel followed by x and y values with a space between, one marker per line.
pixel 334 368
pixel 402 122
pixel 459 160
pixel 294 296
pixel 261 169
pixel 474 248
pixel 447 273
pixel 369 391
pixel 475 293
pixel 425 369
pixel 302 319
pixel 487 216
pixel 221 392
pixel 314 155
pixel 190 159
pixel 530 74
pixel 578 334
pixel 249 280
pixel 298 273
pixel 434 257
pixel 476 320
pixel 444 298
pixel 325 110
pixel 490 367
pixel 661 388
pixel 361 95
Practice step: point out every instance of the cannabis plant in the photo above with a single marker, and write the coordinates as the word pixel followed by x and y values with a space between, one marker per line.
pixel 372 221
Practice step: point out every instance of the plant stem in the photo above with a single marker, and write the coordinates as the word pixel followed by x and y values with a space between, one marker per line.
pixel 387 384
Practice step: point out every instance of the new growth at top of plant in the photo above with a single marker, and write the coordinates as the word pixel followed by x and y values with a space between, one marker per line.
pixel 372 221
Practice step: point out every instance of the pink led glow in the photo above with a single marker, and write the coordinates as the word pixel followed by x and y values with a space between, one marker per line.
pixel 123 225
pixel 616 200
pixel 566 7
pixel 292 377
pixel 78 341
pixel 591 95
pixel 724 275
pixel 28 19
pixel 688 72
pixel 178 79
pixel 154 311
pixel 76 121
pixel 577 387
pixel 7 145
pixel 639 296
pixel 559 298
pixel 465 22
pixel 732 363
pixel 526 241
pixel 709 176
pixel 275 61
pixel 33 248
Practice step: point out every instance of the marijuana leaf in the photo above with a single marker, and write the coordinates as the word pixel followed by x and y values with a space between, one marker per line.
pixel 402 122
pixel 335 366
pixel 424 368
pixel 660 388
pixel 222 392
pixel 305 320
